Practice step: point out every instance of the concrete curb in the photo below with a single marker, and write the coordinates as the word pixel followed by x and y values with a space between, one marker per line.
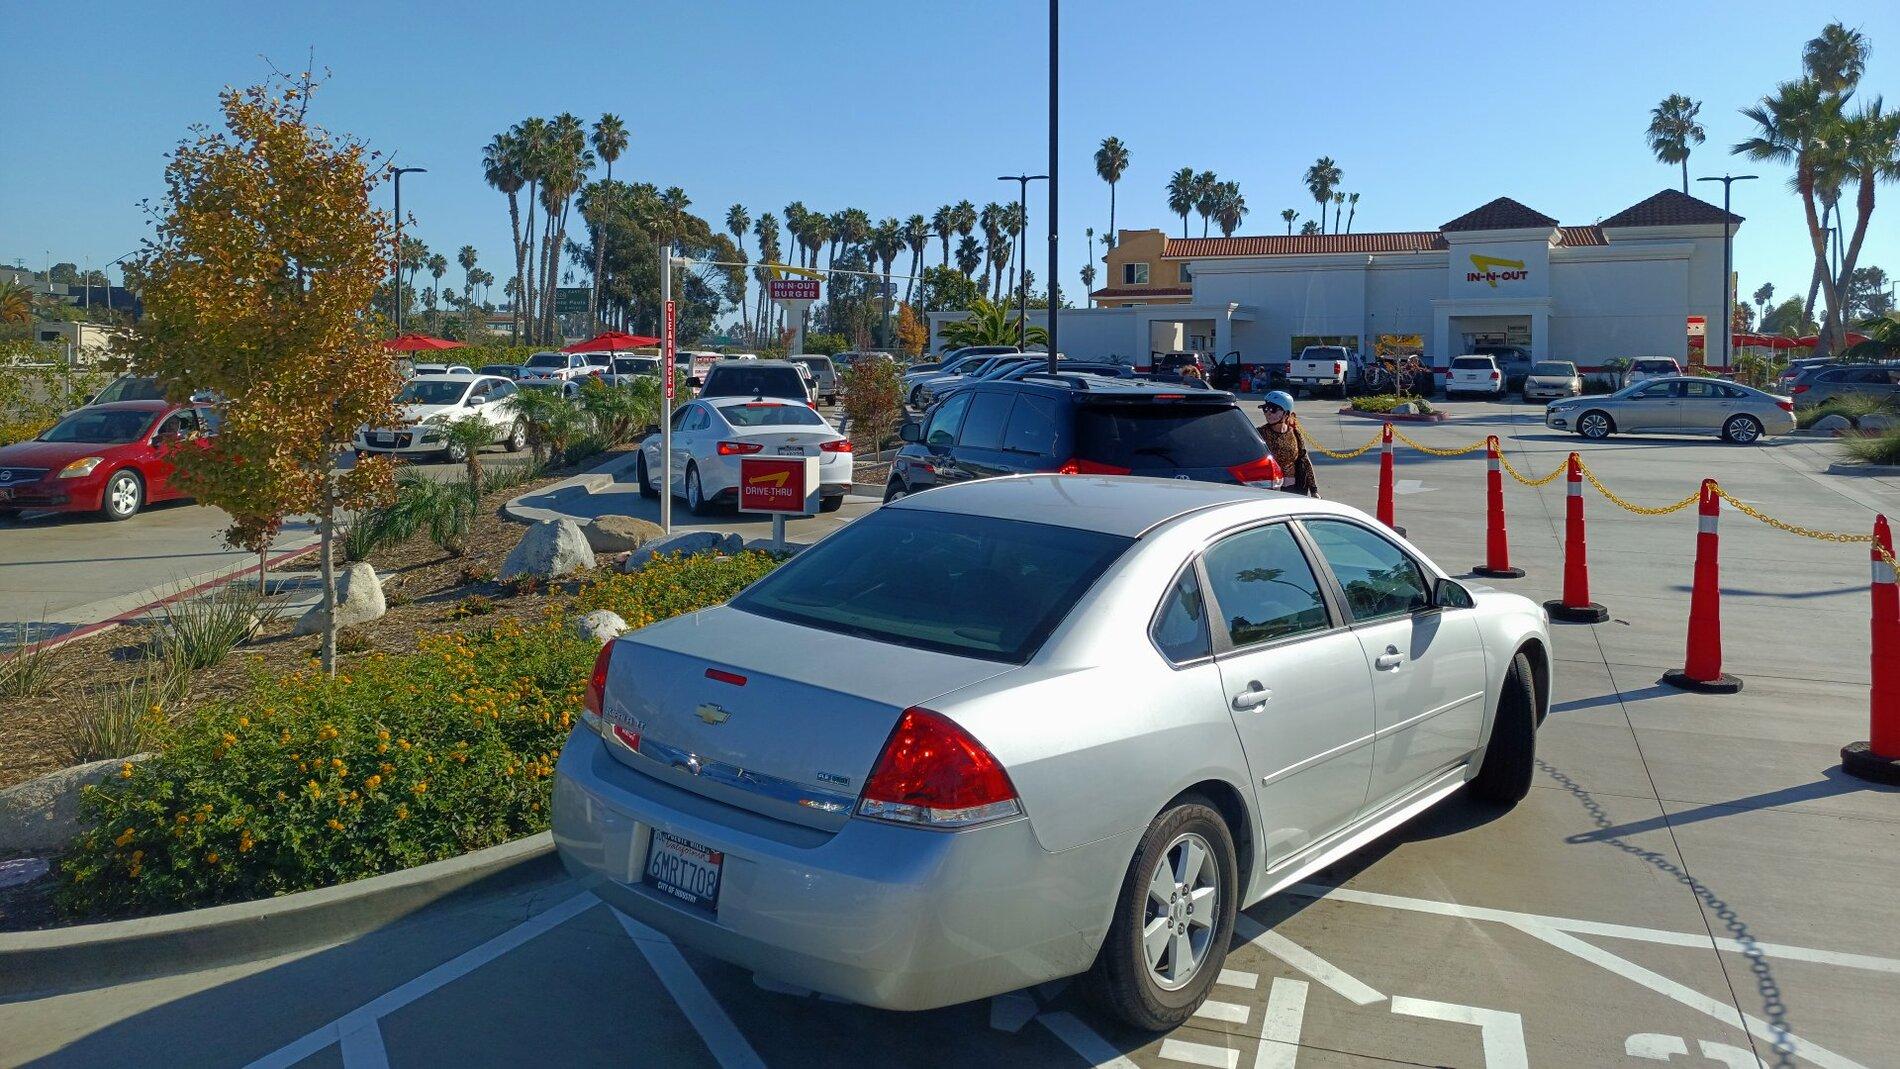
pixel 586 484
pixel 1848 467
pixel 1384 417
pixel 99 955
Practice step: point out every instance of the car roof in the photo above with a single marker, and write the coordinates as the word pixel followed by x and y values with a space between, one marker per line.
pixel 733 400
pixel 755 364
pixel 1082 383
pixel 1113 504
pixel 140 406
pixel 462 376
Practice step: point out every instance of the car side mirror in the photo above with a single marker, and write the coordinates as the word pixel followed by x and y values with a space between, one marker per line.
pixel 474 401
pixel 911 431
pixel 1449 594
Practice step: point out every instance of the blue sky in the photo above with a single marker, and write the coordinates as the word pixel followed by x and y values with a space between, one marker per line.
pixel 899 107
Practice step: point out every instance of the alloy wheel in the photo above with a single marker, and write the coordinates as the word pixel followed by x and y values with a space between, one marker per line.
pixel 122 495
pixel 1743 430
pixel 1182 909
pixel 1594 425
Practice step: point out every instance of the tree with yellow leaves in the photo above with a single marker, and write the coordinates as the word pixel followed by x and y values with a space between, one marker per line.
pixel 258 287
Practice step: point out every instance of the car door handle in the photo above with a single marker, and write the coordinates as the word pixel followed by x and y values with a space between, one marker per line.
pixel 1252 698
pixel 1389 661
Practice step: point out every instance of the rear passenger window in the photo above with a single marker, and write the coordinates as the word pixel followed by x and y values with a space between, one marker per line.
pixel 1264 586
pixel 983 427
pixel 1180 627
pixel 1378 577
pixel 1032 426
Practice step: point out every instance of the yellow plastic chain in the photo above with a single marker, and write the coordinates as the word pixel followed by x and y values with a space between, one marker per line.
pixel 1638 509
pixel 1349 454
pixel 1805 532
pixel 1460 451
pixel 1542 480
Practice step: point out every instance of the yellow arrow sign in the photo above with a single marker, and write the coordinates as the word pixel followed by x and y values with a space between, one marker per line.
pixel 779 270
pixel 777 478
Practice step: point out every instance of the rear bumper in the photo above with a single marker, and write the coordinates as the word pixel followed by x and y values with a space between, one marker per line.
pixel 886 916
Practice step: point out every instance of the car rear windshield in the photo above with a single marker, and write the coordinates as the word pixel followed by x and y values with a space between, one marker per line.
pixel 1165 435
pixel 130 388
pixel 547 360
pixel 439 392
pixel 94 427
pixel 1472 363
pixel 737 380
pixel 770 414
pixel 1554 368
pixel 1655 365
pixel 636 365
pixel 928 579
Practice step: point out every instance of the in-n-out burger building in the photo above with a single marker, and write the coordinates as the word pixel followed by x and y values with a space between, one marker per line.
pixel 1501 274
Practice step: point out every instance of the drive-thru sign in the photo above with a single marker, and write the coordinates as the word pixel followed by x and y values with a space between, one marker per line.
pixel 783 485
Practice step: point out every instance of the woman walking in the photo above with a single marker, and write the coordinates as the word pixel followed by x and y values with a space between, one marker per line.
pixel 1282 434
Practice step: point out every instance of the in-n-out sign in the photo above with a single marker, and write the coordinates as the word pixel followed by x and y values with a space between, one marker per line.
pixel 793 289
pixel 1698 326
pixel 1485 269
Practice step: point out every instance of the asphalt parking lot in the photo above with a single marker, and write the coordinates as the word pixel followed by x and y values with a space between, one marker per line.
pixel 1691 881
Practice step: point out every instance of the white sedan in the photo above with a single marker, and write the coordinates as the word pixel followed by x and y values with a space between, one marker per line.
pixel 710 436
pixel 430 403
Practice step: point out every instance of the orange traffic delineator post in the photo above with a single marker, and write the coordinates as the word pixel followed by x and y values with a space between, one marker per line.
pixel 1385 476
pixel 1702 666
pixel 1878 759
pixel 1575 606
pixel 1497 546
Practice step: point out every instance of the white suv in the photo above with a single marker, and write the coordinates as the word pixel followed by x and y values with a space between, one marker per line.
pixel 1475 375
pixel 556 367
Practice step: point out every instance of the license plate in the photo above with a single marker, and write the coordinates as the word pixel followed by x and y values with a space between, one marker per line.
pixel 791 450
pixel 685 869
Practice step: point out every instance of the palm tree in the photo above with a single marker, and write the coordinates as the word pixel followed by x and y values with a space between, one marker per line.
pixel 767 231
pixel 1182 194
pixel 1836 59
pixel 610 140
pixel 465 258
pixel 1310 227
pixel 438 266
pixel 568 160
pixel 1206 194
pixel 1321 178
pixel 963 217
pixel 16 303
pixel 1871 155
pixel 1673 131
pixel 1287 215
pixel 1015 221
pixel 1111 162
pixel 1339 206
pixel 738 221
pixel 943 222
pixel 817 232
pixel 991 221
pixel 1088 281
pixel 1229 208
pixel 1762 296
pixel 886 242
pixel 1352 209
pixel 969 256
pixel 1798 126
pixel 501 169
pixel 990 323
pixel 532 137
pixel 917 236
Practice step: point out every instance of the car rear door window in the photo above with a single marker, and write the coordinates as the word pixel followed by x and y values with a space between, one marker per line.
pixel 1265 587
pixel 1701 391
pixel 942 430
pixel 983 426
pixel 1379 579
pixel 1033 426
pixel 1166 436
pixel 1180 627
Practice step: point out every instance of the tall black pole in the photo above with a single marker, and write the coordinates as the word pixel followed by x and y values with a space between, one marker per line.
pixel 1728 240
pixel 1055 286
pixel 1022 289
pixel 398 301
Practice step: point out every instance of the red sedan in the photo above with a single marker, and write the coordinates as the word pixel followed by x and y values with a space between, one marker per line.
pixel 111 459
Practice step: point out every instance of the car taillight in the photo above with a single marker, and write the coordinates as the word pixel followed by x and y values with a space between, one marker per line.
pixel 1339 369
pixel 1785 406
pixel 1078 466
pixel 842 445
pixel 728 449
pixel 1263 472
pixel 595 700
pixel 1800 389
pixel 934 773
pixel 1494 376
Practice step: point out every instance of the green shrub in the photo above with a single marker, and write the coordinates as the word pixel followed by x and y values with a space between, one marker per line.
pixel 195 633
pixel 26 670
pixel 1386 402
pixel 398 761
pixel 125 718
pixel 1874 448
pixel 1852 407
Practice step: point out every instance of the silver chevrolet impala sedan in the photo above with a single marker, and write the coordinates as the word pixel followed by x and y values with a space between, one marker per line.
pixel 1018 729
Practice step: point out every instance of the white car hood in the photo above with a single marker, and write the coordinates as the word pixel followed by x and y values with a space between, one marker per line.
pixel 414 414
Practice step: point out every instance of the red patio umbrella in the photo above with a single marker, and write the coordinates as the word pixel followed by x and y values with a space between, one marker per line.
pixel 1854 337
pixel 611 341
pixel 415 343
pixel 1764 341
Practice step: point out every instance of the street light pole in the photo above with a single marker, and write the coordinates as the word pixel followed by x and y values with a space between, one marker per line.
pixel 397 300
pixel 1022 289
pixel 1728 241
pixel 1055 274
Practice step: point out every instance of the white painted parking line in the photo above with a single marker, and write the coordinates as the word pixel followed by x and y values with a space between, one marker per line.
pixel 1688 996
pixel 1199 1054
pixel 1231 1013
pixel 1237 978
pixel 1332 976
pixel 1280 1028
pixel 1500 1031
pixel 1584 927
pixel 728 1045
pixel 362 1044
pixel 455 968
pixel 1098 1052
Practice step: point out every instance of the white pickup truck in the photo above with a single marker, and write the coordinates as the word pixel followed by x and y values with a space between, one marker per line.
pixel 1326 368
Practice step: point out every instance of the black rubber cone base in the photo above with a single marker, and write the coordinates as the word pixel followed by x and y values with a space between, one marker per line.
pixel 1577 614
pixel 1859 759
pixel 1498 573
pixel 1722 684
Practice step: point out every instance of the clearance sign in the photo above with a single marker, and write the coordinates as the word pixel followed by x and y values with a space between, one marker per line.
pixel 778 484
pixel 1492 270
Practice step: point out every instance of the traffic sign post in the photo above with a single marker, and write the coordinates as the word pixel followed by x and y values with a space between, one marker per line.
pixel 782 486
pixel 794 295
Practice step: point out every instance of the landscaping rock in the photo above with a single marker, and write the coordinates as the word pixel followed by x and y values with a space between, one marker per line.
pixel 617 534
pixel 685 544
pixel 43 814
pixel 1407 408
pixel 1830 423
pixel 359 599
pixel 601 625
pixel 1880 422
pixel 550 548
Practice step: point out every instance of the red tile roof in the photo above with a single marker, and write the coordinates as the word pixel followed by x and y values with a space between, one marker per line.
pixel 1573 236
pixel 1303 244
pixel 1670 208
pixel 1116 293
pixel 1501 214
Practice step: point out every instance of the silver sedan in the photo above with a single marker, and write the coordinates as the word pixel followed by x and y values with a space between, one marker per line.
pixel 1678 404
pixel 1023 728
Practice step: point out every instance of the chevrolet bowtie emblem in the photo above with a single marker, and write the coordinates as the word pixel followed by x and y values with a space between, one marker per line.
pixel 712 714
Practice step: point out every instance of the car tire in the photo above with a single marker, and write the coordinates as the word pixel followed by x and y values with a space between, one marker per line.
pixel 696 502
pixel 1596 425
pixel 123 496
pixel 517 439
pixel 830 504
pixel 1128 981
pixel 1510 756
pixel 645 479
pixel 455 454
pixel 1742 430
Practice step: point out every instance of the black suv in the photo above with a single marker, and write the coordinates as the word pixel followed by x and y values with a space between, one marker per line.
pixel 1081 425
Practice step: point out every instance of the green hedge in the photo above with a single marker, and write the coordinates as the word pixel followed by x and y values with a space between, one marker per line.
pixel 397 761
pixel 1386 402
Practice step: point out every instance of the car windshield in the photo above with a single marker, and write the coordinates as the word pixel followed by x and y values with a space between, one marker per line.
pixel 770 414
pixel 815 363
pixel 930 579
pixel 504 370
pixel 130 388
pixel 437 392
pixel 1668 366
pixel 1472 363
pixel 99 428
pixel 637 365
pixel 1163 435
pixel 598 359
pixel 1555 369
pixel 746 380
pixel 547 360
